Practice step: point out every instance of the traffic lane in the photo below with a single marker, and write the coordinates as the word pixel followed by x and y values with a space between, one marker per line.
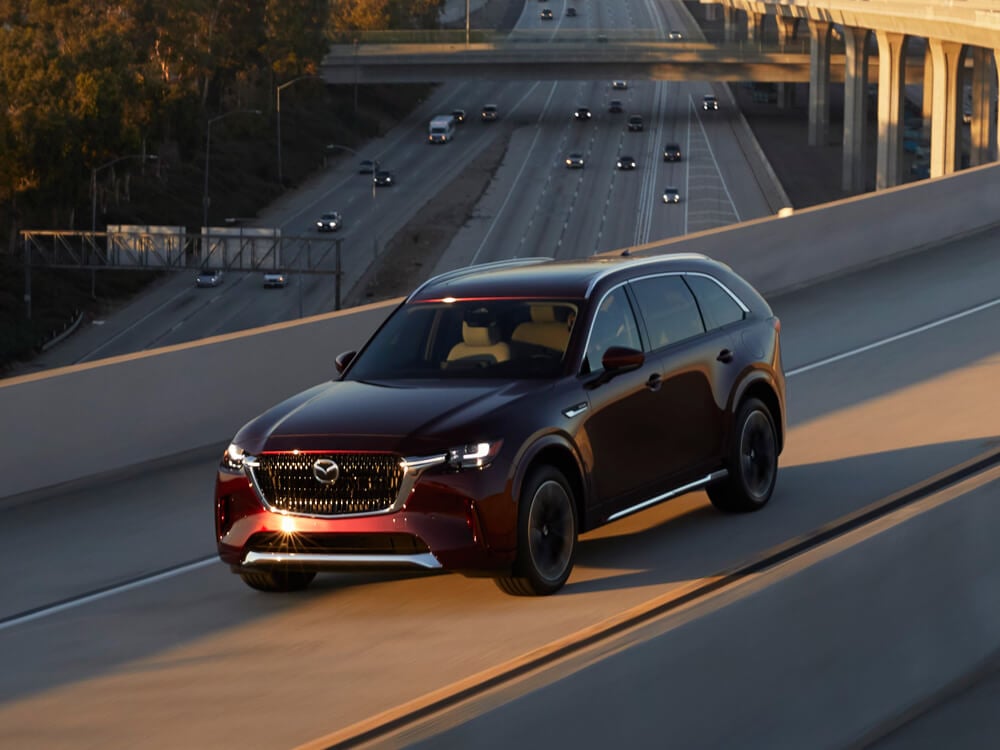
pixel 351 646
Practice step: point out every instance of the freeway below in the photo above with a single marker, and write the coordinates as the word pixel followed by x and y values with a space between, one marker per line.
pixel 533 206
pixel 120 629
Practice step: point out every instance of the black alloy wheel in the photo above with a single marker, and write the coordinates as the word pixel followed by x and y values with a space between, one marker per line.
pixel 752 464
pixel 546 536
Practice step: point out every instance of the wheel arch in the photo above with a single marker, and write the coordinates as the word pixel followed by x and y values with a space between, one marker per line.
pixel 762 388
pixel 558 452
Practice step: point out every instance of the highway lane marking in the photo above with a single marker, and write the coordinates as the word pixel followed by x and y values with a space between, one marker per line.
pixel 51 609
pixel 892 339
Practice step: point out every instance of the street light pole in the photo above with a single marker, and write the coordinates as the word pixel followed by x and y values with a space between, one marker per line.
pixel 286 84
pixel 466 23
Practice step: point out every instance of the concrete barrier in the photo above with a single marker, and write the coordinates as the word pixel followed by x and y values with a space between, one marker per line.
pixel 73 422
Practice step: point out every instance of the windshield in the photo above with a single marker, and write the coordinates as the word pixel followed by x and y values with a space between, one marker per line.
pixel 510 339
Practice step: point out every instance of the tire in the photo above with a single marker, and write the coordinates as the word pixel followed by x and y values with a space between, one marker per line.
pixel 277 580
pixel 752 463
pixel 546 536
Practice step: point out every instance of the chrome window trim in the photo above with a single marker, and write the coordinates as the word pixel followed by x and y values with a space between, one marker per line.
pixel 615 268
pixel 597 307
pixel 703 275
pixel 424 561
pixel 707 479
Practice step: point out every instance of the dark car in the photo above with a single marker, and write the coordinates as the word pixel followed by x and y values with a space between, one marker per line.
pixel 709 102
pixel 671 195
pixel 331 221
pixel 635 122
pixel 672 152
pixel 546 14
pixel 615 106
pixel 582 113
pixel 574 160
pixel 489 113
pixel 384 178
pixel 502 410
pixel 626 162
pixel 208 277
pixel 571 12
pixel 366 166
pixel 459 115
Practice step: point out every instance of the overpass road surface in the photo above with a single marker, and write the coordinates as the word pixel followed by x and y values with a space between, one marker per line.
pixel 119 629
pixel 533 206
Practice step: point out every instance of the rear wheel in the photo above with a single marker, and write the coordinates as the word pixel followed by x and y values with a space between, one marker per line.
pixel 752 463
pixel 277 580
pixel 546 536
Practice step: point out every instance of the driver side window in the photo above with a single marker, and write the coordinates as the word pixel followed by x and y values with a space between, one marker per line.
pixel 614 325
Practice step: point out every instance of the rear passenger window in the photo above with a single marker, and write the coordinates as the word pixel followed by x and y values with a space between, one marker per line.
pixel 669 310
pixel 718 308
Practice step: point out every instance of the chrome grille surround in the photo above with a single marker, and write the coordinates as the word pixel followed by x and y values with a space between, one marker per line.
pixel 368 483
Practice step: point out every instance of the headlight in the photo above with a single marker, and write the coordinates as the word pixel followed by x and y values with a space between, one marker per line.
pixel 474 455
pixel 234 458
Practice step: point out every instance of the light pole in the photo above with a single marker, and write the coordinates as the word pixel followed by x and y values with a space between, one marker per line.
pixel 93 183
pixel 208 154
pixel 286 84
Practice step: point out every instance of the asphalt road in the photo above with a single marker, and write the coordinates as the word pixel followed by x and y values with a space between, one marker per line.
pixel 194 658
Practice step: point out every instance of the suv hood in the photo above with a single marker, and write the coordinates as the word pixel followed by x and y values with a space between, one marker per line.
pixel 410 417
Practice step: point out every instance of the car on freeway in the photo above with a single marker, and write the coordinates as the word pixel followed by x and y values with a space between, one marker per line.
pixel 489 113
pixel 709 102
pixel 574 161
pixel 384 178
pixel 459 115
pixel 671 195
pixel 619 85
pixel 366 166
pixel 582 113
pixel 546 14
pixel 616 107
pixel 674 35
pixel 208 277
pixel 571 12
pixel 626 162
pixel 635 122
pixel 672 152
pixel 502 410
pixel 331 221
pixel 275 279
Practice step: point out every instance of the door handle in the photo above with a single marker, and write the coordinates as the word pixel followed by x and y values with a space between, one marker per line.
pixel 654 382
pixel 725 356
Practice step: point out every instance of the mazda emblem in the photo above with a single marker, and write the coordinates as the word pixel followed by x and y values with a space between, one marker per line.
pixel 326 471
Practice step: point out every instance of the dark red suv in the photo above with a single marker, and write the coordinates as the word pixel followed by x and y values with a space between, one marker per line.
pixel 500 411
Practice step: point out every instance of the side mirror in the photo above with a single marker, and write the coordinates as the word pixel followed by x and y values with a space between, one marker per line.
pixel 621 359
pixel 343 360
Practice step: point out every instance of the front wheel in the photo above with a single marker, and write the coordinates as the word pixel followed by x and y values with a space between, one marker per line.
pixel 752 462
pixel 546 536
pixel 276 580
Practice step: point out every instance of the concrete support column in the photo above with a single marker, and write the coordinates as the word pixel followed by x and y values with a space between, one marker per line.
pixel 819 82
pixel 755 26
pixel 928 90
pixel 855 108
pixel 983 126
pixel 891 93
pixel 787 29
pixel 730 22
pixel 711 11
pixel 946 110
pixel 996 108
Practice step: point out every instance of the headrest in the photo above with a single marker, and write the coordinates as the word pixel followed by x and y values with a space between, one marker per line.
pixel 543 314
pixel 480 335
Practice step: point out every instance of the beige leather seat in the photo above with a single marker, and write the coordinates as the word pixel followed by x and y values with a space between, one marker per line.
pixel 480 343
pixel 543 329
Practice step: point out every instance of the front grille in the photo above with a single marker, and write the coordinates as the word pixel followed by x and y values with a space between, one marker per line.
pixel 367 483
pixel 333 544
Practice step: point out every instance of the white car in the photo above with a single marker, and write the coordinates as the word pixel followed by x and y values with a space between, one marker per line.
pixel 275 279
pixel 209 277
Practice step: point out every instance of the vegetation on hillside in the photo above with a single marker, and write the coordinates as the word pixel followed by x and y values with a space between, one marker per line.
pixel 119 96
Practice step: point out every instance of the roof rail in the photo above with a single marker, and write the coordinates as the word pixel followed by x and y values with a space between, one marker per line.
pixel 642 260
pixel 458 273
